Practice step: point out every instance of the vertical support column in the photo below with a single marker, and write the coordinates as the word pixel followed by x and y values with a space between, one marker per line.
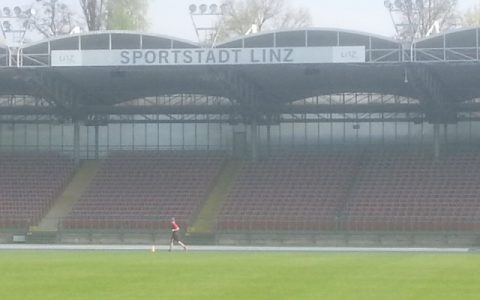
pixel 76 142
pixel 436 140
pixel 268 139
pixel 445 134
pixel 253 140
pixel 97 139
pixel 9 63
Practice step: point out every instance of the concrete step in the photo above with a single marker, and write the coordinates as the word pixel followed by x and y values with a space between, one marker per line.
pixel 206 220
pixel 65 202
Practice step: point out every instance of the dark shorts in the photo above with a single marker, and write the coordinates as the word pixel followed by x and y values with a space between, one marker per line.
pixel 175 236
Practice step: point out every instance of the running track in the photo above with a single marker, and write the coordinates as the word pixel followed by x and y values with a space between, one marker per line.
pixel 231 248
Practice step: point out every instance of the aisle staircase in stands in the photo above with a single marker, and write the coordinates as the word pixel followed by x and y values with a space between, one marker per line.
pixel 202 230
pixel 46 231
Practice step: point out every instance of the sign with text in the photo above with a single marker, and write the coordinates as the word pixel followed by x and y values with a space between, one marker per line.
pixel 208 56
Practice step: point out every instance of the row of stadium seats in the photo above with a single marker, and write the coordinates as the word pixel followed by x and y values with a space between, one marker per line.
pixel 289 192
pixel 397 189
pixel 402 190
pixel 380 190
pixel 142 190
pixel 29 183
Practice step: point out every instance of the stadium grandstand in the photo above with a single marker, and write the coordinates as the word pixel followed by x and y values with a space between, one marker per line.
pixel 307 136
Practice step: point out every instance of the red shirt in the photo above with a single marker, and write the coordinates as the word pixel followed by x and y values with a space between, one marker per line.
pixel 175 227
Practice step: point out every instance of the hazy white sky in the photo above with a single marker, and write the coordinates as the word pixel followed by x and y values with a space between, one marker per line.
pixel 171 17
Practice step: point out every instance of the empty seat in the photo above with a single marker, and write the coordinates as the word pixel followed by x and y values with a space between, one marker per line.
pixel 142 190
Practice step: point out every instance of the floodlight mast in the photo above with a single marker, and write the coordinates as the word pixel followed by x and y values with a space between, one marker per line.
pixel 14 23
pixel 396 17
pixel 397 10
pixel 399 24
pixel 202 17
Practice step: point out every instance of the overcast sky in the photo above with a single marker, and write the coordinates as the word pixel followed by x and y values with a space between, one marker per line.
pixel 171 17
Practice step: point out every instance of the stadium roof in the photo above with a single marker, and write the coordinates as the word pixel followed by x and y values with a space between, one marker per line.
pixel 378 48
pixel 38 53
pixel 118 84
pixel 440 71
pixel 457 45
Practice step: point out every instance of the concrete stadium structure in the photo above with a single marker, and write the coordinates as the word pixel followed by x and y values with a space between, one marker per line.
pixel 86 95
pixel 434 80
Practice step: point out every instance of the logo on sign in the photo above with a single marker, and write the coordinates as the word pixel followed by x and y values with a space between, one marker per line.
pixel 67 59
pixel 348 54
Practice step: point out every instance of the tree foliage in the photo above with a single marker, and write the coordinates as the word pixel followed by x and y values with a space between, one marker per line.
pixel 114 14
pixel 53 18
pixel 240 16
pixel 95 13
pixel 418 18
pixel 127 14
pixel 472 17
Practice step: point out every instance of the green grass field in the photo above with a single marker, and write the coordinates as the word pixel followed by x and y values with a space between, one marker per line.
pixel 246 276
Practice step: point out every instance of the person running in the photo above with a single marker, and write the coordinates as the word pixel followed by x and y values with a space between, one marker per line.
pixel 174 237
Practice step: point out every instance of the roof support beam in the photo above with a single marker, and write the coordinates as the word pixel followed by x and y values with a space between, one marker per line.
pixel 238 87
pixel 65 99
pixel 440 105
